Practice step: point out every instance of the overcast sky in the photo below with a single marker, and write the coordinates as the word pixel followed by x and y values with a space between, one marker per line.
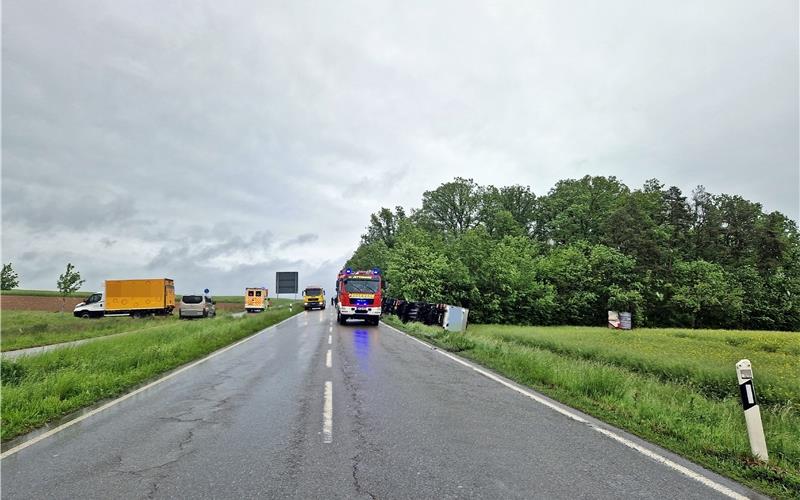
pixel 218 144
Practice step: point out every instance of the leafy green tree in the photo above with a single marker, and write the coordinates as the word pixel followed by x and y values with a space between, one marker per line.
pixel 453 207
pixel 707 227
pixel 632 228
pixel 676 217
pixel 69 283
pixel 758 311
pixel 511 289
pixel 518 201
pixel 773 239
pixel 467 274
pixel 705 294
pixel 9 278
pixel 739 219
pixel 369 256
pixel 500 223
pixel 591 245
pixel 384 225
pixel 569 271
pixel 577 210
pixel 417 272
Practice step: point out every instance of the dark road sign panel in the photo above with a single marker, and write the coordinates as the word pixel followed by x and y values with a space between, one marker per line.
pixel 286 282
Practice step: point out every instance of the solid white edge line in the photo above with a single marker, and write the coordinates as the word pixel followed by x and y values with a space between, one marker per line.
pixel 122 398
pixel 328 359
pixel 327 414
pixel 616 437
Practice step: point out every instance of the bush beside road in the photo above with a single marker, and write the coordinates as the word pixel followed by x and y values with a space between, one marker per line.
pixel 39 389
pixel 666 386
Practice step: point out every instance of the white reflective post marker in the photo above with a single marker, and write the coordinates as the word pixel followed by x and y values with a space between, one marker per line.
pixel 752 412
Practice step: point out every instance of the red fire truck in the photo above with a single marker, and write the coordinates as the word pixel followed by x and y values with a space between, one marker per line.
pixel 358 295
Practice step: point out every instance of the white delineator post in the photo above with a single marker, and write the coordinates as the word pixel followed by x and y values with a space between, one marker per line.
pixel 752 412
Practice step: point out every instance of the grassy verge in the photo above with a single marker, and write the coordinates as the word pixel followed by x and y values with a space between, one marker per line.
pixel 42 388
pixel 655 385
pixel 22 329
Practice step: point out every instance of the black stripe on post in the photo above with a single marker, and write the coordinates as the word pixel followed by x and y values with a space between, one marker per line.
pixel 748 394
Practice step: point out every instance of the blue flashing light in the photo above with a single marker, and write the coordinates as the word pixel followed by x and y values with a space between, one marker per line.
pixel 375 270
pixel 348 271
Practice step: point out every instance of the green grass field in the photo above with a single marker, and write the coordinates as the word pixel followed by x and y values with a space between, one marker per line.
pixel 676 388
pixel 38 389
pixel 22 329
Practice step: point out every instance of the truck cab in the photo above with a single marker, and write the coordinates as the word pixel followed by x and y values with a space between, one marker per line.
pixel 92 307
pixel 313 297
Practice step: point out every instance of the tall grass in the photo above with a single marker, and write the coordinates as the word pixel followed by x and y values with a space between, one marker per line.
pixel 652 385
pixel 22 329
pixel 41 388
pixel 702 359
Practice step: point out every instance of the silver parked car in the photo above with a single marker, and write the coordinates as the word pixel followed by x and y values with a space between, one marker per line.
pixel 197 306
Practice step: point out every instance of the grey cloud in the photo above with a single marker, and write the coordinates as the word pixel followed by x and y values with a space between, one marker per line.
pixel 182 130
pixel 204 251
pixel 300 240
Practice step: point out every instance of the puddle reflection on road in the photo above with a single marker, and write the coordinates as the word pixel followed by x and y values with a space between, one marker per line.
pixel 361 347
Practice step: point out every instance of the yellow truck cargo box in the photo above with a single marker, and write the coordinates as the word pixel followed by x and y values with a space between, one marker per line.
pixel 148 294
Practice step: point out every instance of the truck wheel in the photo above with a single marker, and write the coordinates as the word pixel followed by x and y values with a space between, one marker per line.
pixel 340 319
pixel 86 315
pixel 136 315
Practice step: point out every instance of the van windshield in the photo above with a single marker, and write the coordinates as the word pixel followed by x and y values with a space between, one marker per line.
pixel 313 291
pixel 192 299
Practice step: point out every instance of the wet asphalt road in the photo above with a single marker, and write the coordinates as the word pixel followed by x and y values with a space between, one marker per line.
pixel 405 422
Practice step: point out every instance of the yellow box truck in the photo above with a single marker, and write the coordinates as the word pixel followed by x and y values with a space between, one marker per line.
pixel 255 299
pixel 132 297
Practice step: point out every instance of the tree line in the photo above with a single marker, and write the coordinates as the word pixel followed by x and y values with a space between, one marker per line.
pixel 587 246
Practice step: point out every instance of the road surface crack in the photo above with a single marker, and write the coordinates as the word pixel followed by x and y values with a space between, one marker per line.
pixel 359 425
pixel 359 489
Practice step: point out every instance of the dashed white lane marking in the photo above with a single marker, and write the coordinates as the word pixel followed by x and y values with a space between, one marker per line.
pixel 327 414
pixel 616 437
pixel 330 328
pixel 328 359
pixel 330 339
pixel 108 405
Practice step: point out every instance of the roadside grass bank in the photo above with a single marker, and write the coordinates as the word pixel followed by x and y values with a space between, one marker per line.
pixel 39 389
pixel 656 385
pixel 23 329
